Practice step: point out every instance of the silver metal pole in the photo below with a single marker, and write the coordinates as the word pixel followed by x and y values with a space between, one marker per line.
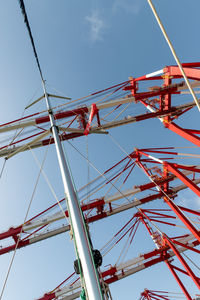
pixel 81 237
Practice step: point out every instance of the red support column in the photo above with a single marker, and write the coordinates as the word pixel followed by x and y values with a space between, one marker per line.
pixel 182 261
pixel 182 217
pixel 167 98
pixel 94 111
pixel 178 280
pixel 184 133
pixel 194 187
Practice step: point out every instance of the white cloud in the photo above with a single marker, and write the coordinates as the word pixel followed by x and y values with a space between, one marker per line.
pixel 129 6
pixel 96 26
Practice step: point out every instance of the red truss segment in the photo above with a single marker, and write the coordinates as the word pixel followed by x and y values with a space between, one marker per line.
pixel 158 295
pixel 165 93
pixel 161 108
pixel 164 252
pixel 161 242
pixel 102 208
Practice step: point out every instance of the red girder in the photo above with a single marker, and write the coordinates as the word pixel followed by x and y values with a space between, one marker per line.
pixel 185 133
pixel 111 275
pixel 182 261
pixel 182 217
pixel 189 210
pixel 94 111
pixel 178 280
pixel 183 271
pixel 191 73
pixel 63 137
pixel 61 115
pixel 185 246
pixel 169 243
pixel 174 169
pixel 165 93
pixel 100 214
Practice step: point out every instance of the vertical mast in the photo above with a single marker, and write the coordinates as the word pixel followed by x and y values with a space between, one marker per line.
pixel 76 217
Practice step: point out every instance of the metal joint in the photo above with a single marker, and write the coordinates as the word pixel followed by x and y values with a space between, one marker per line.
pixel 56 127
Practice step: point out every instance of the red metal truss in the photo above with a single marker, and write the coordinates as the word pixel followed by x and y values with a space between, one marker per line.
pixel 158 295
pixel 165 93
pixel 159 108
pixel 167 247
pixel 94 111
pixel 178 280
pixel 174 169
pixel 168 242
pixel 98 208
pixel 75 133
pixel 162 253
pixel 163 240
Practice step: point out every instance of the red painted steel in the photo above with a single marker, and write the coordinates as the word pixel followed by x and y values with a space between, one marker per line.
pixel 173 169
pixel 62 115
pixel 185 133
pixel 174 71
pixel 168 113
pixel 94 112
pixel 182 261
pixel 178 280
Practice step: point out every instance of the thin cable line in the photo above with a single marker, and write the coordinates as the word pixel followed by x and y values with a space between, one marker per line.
pixel 3 168
pixel 19 237
pixel 173 52
pixel 191 261
pixel 49 184
pixel 23 10
pixel 96 169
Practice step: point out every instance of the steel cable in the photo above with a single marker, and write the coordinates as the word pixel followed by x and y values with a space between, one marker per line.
pixel 27 212
pixel 23 10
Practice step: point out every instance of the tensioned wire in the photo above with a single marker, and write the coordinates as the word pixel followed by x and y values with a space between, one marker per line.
pixel 25 218
pixel 173 53
pixel 85 196
pixel 192 261
pixel 12 140
pixel 49 184
pixel 54 194
pixel 26 21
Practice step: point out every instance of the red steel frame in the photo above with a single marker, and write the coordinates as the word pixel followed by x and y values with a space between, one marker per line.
pixel 165 106
pixel 158 295
pixel 166 245
pixel 98 205
pixel 165 92
pixel 169 243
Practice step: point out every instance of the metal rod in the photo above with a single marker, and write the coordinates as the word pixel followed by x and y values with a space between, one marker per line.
pixel 77 221
pixel 174 53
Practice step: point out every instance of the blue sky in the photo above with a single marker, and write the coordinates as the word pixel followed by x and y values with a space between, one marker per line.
pixel 84 46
